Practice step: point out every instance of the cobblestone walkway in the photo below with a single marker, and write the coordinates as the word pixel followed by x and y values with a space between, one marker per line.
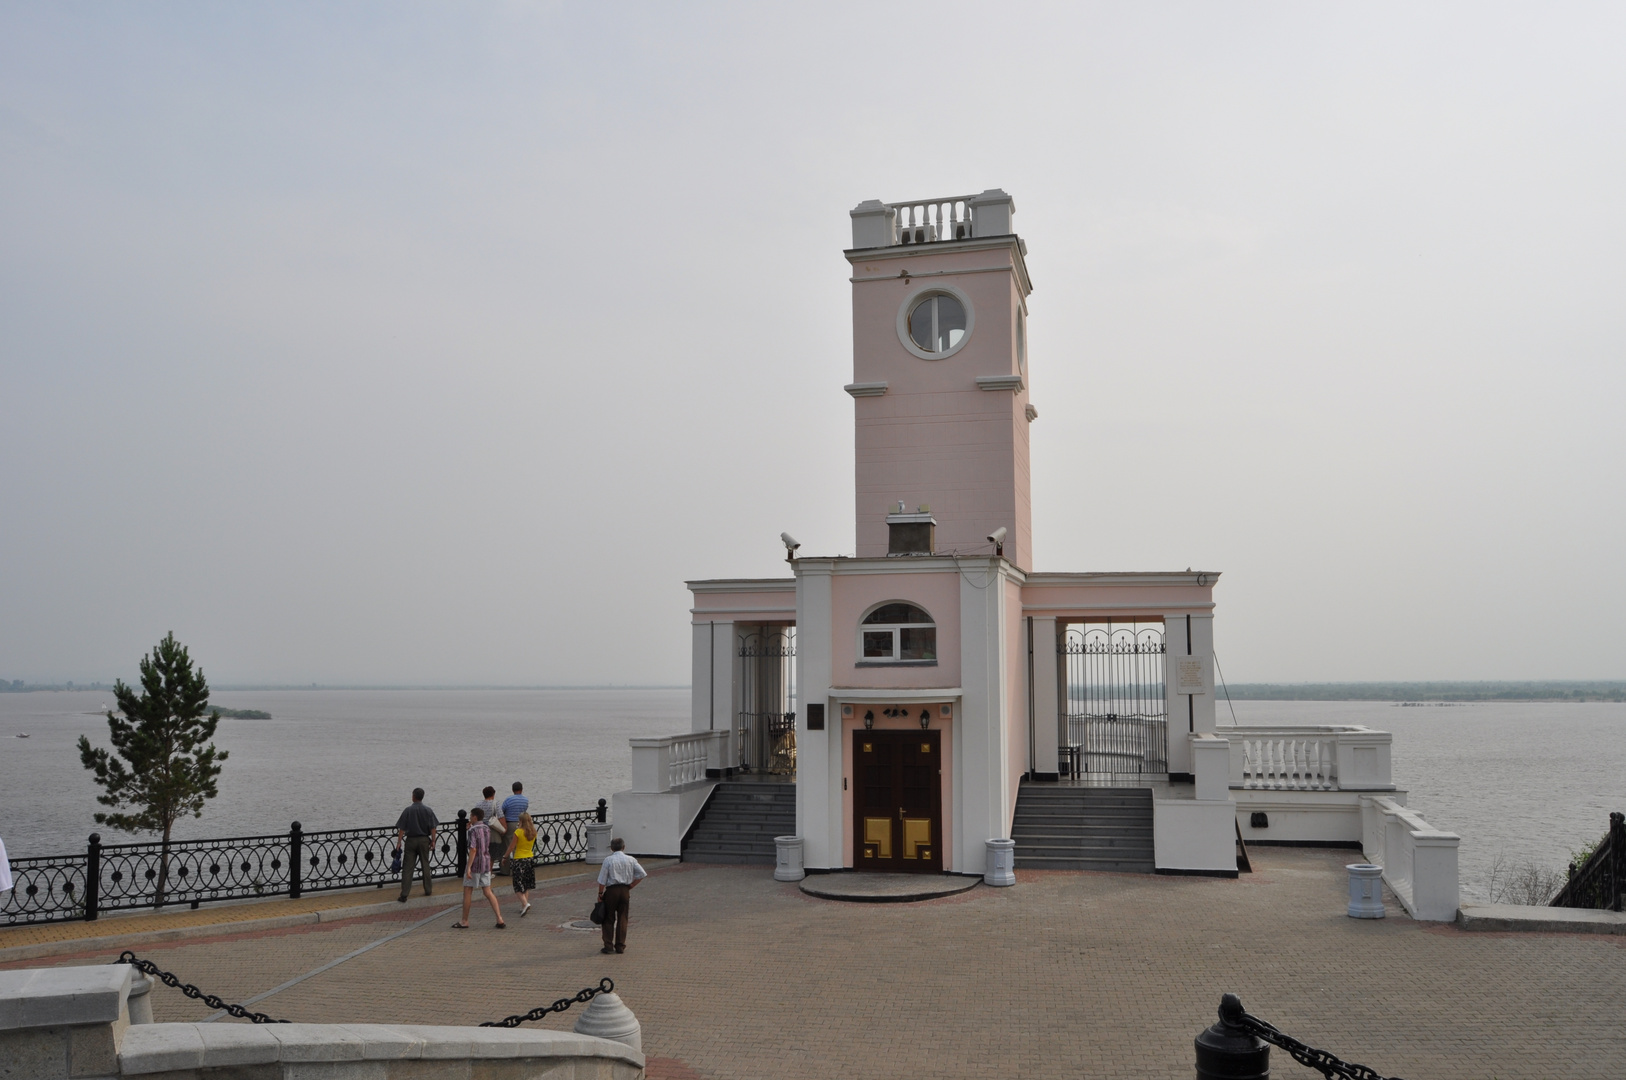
pixel 1069 975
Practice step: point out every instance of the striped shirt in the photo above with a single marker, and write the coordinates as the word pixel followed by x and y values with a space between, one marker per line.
pixel 514 806
pixel 479 848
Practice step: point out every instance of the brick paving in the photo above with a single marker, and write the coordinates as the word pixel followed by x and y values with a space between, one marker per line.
pixel 1067 974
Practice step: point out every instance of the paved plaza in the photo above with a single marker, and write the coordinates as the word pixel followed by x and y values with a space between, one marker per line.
pixel 1067 974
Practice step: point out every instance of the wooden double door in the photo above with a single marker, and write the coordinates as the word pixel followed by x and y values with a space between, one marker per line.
pixel 898 801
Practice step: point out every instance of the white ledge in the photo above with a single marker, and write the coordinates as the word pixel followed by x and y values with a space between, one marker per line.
pixel 865 389
pixel 999 382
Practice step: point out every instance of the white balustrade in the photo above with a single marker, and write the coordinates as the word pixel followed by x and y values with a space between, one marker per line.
pixel 674 761
pixel 1321 758
pixel 925 221
pixel 1419 861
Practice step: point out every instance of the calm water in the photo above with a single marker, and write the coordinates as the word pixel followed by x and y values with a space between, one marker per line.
pixel 1530 781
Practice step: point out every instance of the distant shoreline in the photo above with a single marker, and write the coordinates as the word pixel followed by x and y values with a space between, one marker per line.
pixel 1461 692
pixel 18 686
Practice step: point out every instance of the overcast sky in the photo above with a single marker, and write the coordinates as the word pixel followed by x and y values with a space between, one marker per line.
pixel 411 343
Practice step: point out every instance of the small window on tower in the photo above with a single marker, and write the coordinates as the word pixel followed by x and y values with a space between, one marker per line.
pixel 937 323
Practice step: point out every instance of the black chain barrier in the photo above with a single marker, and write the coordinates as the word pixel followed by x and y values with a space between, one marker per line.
pixel 605 985
pixel 169 979
pixel 1327 1065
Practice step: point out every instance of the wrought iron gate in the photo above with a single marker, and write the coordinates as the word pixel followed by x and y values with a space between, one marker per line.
pixel 1117 715
pixel 767 724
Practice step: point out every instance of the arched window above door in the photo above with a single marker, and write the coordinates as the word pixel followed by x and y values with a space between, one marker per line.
pixel 897 632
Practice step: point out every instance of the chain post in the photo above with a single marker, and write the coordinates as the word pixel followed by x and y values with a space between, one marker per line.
pixel 296 860
pixel 93 877
pixel 604 815
pixel 462 843
pixel 1228 1051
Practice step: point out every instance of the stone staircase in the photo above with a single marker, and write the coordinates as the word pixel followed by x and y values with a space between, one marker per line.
pixel 740 821
pixel 1058 827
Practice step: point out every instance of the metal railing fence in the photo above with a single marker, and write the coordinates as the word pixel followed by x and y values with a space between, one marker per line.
pixel 123 877
pixel 1599 882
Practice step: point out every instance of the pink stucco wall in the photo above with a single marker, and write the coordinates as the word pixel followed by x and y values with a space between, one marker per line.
pixel 853 594
pixel 934 437
pixel 890 723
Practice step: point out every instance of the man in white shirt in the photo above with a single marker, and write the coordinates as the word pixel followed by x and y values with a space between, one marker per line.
pixel 617 877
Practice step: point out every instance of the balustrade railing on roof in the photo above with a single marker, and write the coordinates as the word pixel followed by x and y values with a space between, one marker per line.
pixel 925 221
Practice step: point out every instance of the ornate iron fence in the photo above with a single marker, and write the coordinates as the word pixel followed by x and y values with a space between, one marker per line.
pixel 1117 715
pixel 115 877
pixel 767 720
pixel 1600 882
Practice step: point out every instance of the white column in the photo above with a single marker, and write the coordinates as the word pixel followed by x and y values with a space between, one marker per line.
pixel 818 753
pixel 1046 708
pixel 1202 644
pixel 980 749
pixel 703 640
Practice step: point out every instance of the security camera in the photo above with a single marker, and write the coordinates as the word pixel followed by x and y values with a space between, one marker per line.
pixel 791 544
pixel 997 538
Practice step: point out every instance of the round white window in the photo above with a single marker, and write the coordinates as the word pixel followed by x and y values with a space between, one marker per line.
pixel 935 323
pixel 1021 342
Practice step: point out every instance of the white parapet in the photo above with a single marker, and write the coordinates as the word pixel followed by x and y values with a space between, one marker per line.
pixel 1198 835
pixel 1419 861
pixel 672 777
pixel 72 1023
pixel 1302 784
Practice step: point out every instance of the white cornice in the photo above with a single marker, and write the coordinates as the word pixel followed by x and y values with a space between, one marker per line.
pixel 922 695
pixel 1201 579
pixel 1000 382
pixel 865 389
pixel 731 585
pixel 1010 242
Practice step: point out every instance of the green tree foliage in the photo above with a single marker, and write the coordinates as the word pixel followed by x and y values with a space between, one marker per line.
pixel 165 766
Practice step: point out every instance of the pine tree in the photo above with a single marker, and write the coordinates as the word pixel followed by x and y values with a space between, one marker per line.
pixel 163 734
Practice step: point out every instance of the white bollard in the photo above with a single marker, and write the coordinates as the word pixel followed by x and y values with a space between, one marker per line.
pixel 598 842
pixel 1365 891
pixel 788 866
pixel 608 1017
pixel 1001 868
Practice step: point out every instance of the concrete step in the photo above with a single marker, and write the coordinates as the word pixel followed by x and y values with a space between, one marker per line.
pixel 1119 866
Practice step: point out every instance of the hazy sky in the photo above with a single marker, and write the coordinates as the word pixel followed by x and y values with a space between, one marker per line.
pixel 417 343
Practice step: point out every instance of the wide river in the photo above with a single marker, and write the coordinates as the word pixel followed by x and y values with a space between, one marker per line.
pixel 1524 781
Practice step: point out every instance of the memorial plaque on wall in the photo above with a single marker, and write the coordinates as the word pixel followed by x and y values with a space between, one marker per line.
pixel 815 718
pixel 1192 675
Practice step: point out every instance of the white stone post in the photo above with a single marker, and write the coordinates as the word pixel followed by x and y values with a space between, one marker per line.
pixel 1001 868
pixel 607 1017
pixel 1434 876
pixel 993 210
pixel 651 765
pixel 874 224
pixel 1211 766
pixel 788 862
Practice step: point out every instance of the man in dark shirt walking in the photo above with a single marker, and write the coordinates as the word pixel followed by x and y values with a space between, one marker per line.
pixel 415 832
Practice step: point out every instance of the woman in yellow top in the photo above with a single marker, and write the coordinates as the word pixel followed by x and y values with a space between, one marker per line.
pixel 522 850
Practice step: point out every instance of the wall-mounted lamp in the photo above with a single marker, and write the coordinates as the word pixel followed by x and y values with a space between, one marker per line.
pixel 925 719
pixel 869 719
